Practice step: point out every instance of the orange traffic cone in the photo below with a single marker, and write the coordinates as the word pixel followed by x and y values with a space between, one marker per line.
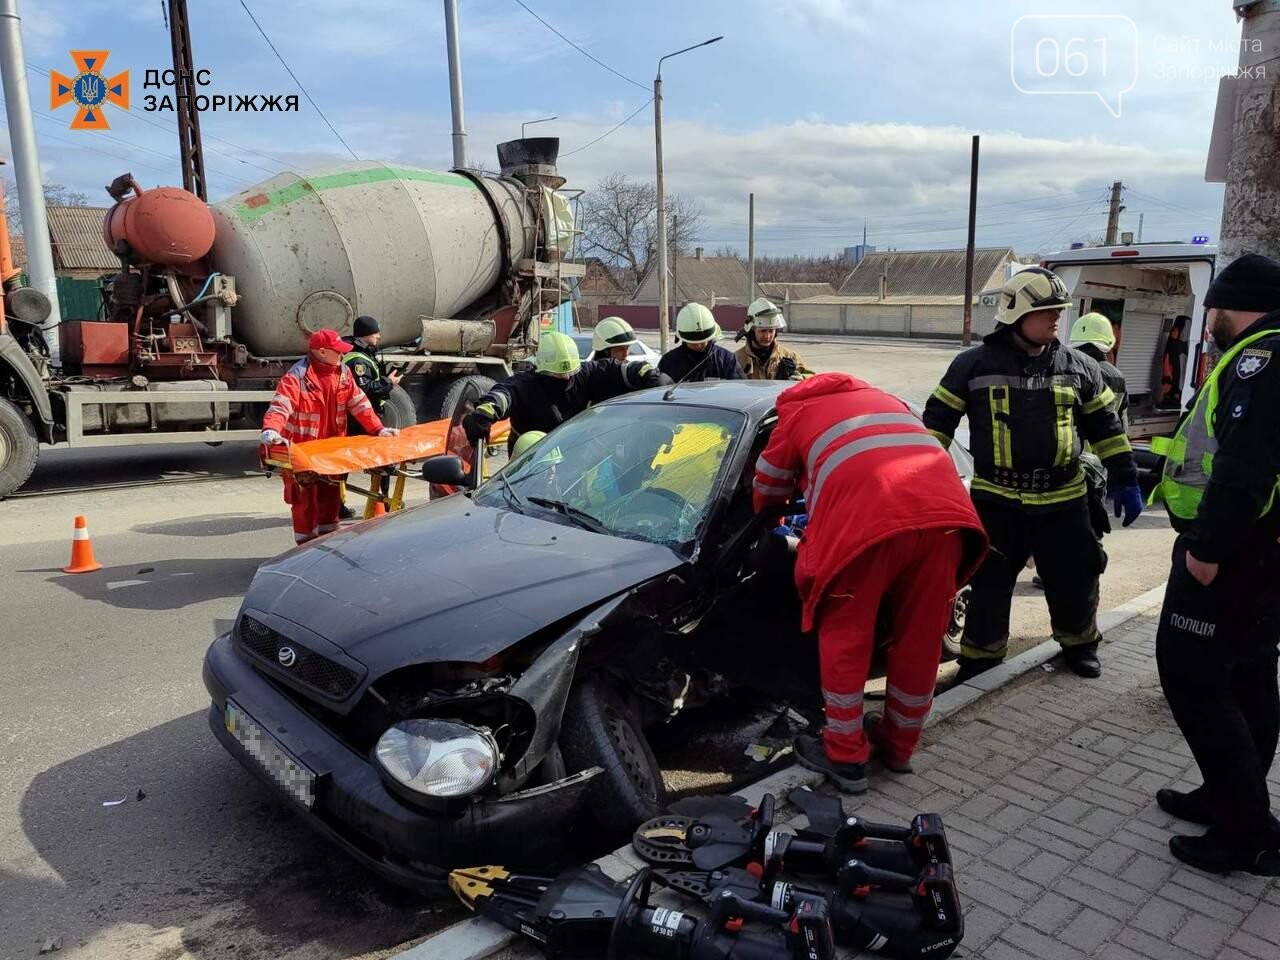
pixel 379 508
pixel 82 559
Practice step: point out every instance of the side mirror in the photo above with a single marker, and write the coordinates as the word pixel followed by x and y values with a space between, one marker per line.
pixel 444 470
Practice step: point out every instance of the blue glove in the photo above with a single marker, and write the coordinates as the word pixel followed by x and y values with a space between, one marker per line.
pixel 1127 500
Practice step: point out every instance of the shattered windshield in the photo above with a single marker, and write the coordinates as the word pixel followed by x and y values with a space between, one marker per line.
pixel 645 471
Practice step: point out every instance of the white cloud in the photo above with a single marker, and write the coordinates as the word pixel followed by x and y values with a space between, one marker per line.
pixel 841 16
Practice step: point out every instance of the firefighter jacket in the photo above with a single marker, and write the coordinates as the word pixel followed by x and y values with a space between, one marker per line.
pixel 1222 466
pixel 537 401
pixel 757 365
pixel 868 469
pixel 1114 379
pixel 1027 416
pixel 688 366
pixel 313 401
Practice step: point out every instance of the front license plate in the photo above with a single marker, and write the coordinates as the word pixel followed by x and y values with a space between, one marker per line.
pixel 292 776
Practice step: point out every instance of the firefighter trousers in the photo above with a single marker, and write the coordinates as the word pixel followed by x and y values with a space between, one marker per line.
pixel 913 574
pixel 1069 560
pixel 1216 648
pixel 315 508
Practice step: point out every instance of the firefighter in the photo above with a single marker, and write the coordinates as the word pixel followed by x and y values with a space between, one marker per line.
pixel 697 356
pixel 312 402
pixel 853 450
pixel 559 387
pixel 1028 399
pixel 371 376
pixel 761 356
pixel 1217 638
pixel 1094 336
pixel 612 339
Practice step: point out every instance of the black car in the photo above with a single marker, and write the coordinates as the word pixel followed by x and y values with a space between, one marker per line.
pixel 461 682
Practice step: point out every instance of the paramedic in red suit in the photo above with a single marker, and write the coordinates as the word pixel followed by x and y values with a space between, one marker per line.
pixel 312 402
pixel 889 520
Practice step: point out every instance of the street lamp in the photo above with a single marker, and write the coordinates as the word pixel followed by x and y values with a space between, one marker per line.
pixel 664 335
pixel 530 122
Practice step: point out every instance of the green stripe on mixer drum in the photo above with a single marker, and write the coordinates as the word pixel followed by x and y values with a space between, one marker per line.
pixel 260 204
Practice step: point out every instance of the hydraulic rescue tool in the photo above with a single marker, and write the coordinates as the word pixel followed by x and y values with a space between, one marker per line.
pixel 583 914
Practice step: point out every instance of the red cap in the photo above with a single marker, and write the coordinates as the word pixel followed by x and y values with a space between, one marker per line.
pixel 328 339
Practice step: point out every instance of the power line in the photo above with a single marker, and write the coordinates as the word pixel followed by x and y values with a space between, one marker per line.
pixel 603 135
pixel 889 228
pixel 296 80
pixel 1173 206
pixel 621 76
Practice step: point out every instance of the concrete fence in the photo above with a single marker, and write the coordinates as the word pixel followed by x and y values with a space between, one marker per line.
pixel 883 319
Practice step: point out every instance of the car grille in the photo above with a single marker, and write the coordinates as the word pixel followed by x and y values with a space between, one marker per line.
pixel 310 669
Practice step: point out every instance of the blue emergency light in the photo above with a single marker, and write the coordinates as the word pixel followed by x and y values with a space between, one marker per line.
pixel 1200 238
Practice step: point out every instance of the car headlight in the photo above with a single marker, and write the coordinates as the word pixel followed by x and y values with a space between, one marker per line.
pixel 437 758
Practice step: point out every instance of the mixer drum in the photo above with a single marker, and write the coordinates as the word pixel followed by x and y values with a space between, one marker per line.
pixel 316 250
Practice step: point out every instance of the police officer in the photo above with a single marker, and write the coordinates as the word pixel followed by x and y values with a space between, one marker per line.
pixel 1217 639
pixel 761 356
pixel 559 387
pixel 369 371
pixel 1028 399
pixel 698 356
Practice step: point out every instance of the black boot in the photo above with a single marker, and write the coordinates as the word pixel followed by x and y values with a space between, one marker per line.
pixel 810 753
pixel 970 667
pixel 1214 854
pixel 346 513
pixel 1083 660
pixel 1192 807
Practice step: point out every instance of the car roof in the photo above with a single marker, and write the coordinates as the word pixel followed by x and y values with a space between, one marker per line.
pixel 756 398
pixel 580 337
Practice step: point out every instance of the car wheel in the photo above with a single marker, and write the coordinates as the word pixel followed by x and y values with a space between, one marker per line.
pixel 599 730
pixel 955 629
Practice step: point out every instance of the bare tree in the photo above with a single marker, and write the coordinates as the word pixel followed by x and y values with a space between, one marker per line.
pixel 620 224
pixel 57 194
pixel 728 250
pixel 832 270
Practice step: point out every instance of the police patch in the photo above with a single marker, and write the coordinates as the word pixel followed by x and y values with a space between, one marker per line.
pixel 1251 362
pixel 360 369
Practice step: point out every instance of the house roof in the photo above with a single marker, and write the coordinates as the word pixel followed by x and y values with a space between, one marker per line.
pixel 794 291
pixel 18 250
pixel 923 272
pixel 76 233
pixel 699 279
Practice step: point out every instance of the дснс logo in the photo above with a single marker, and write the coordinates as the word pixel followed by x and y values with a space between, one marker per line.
pixel 89 89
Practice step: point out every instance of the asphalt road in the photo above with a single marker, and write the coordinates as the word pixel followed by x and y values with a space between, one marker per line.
pixel 102 701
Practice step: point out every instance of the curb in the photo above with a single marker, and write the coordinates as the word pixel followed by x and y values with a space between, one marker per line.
pixel 476 937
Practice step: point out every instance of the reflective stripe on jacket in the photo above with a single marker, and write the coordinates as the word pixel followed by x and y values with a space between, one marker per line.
pixel 312 402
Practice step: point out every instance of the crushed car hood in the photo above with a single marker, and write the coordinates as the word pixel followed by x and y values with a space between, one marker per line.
pixel 448 581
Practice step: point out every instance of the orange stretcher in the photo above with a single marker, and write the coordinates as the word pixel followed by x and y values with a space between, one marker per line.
pixel 331 460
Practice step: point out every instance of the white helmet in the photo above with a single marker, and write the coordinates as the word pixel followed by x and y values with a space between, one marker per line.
pixel 1028 291
pixel 612 332
pixel 764 314
pixel 695 323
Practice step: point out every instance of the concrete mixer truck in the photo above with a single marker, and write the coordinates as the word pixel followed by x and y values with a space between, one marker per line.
pixel 213 303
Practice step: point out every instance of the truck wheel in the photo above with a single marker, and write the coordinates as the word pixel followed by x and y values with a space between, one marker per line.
pixel 19 448
pixel 399 411
pixel 600 731
pixel 439 401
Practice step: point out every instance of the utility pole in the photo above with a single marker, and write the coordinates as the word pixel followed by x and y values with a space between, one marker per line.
pixel 190 146
pixel 970 250
pixel 455 84
pixel 1113 214
pixel 1140 216
pixel 1245 149
pixel 751 247
pixel 26 167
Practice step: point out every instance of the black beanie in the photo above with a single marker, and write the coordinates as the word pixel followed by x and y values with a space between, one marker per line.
pixel 1250 284
pixel 365 326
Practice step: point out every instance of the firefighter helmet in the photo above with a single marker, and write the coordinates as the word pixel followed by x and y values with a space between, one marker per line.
pixel 695 323
pixel 1093 328
pixel 1030 290
pixel 764 314
pixel 557 354
pixel 612 332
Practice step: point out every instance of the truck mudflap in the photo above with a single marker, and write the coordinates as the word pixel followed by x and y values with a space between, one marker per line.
pixel 13 357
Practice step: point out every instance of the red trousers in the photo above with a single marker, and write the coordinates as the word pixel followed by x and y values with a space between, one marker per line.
pixel 914 573
pixel 315 508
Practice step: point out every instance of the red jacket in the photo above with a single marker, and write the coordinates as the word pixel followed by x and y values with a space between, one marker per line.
pixel 312 402
pixel 868 469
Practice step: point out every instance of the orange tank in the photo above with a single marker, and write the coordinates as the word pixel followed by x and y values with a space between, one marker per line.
pixel 166 225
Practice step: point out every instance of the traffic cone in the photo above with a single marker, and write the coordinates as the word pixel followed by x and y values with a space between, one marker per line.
pixel 379 508
pixel 82 559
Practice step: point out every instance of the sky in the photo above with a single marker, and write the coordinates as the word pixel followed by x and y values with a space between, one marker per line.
pixel 833 112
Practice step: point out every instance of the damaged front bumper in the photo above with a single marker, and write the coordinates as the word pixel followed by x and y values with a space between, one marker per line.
pixel 342 795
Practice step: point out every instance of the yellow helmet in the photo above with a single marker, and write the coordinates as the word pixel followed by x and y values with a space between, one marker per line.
pixel 764 314
pixel 612 332
pixel 1093 328
pixel 695 323
pixel 530 439
pixel 557 353
pixel 1030 290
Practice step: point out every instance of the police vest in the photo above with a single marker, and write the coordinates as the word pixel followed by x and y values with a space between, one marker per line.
pixel 1189 452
